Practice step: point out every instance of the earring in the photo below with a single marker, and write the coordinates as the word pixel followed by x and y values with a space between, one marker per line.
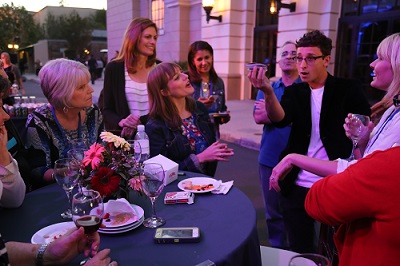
pixel 65 109
pixel 396 100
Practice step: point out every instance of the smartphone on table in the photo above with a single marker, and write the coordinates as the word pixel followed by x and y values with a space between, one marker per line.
pixel 177 235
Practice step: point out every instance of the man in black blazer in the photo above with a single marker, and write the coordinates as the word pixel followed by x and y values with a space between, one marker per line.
pixel 316 110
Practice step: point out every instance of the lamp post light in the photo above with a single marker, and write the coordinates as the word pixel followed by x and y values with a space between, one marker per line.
pixel 276 5
pixel 13 46
pixel 208 6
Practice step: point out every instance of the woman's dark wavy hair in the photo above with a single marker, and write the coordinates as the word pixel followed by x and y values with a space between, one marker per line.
pixel 5 86
pixel 194 76
pixel 316 38
pixel 162 107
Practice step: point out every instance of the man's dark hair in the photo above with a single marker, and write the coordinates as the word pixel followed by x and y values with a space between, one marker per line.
pixel 316 38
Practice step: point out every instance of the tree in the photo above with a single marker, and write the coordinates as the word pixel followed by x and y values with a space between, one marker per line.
pixel 99 20
pixel 17 26
pixel 75 30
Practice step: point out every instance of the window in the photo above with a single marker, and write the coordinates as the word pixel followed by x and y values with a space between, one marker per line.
pixel 360 7
pixel 362 26
pixel 157 14
pixel 265 39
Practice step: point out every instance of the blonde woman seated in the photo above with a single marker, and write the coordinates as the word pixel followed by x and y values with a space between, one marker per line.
pixel 179 127
pixel 70 115
pixel 386 76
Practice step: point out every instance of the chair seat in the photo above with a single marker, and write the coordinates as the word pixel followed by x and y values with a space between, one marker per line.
pixel 275 256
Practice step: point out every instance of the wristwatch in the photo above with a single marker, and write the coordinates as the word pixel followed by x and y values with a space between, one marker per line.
pixel 40 254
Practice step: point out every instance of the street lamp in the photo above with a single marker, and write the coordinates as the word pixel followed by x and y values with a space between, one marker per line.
pixel 13 46
pixel 208 6
pixel 276 5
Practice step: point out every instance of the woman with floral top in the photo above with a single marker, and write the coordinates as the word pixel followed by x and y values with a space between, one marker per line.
pixel 179 127
pixel 69 115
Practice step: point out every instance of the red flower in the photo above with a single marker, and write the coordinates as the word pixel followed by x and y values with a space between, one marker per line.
pixel 105 181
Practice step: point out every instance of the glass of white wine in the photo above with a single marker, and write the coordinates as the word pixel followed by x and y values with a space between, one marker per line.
pixel 152 182
pixel 358 126
pixel 65 173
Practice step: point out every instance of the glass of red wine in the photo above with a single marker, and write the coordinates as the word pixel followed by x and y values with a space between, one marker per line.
pixel 87 212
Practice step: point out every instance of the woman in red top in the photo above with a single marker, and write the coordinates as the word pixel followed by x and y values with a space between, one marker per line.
pixel 364 201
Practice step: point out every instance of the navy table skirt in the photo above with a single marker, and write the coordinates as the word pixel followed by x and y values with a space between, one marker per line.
pixel 227 224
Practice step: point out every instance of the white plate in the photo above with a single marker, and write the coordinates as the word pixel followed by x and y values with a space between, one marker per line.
pixel 200 181
pixel 121 207
pixel 118 231
pixel 47 234
pixel 139 213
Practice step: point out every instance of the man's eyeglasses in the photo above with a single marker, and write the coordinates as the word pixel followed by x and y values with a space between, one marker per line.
pixel 308 59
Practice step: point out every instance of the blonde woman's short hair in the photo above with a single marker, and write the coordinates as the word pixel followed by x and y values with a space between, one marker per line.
pixel 59 78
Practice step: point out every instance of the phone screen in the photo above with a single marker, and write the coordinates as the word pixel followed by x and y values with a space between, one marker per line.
pixel 177 233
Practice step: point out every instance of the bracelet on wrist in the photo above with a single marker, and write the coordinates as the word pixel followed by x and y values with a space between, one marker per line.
pixel 40 254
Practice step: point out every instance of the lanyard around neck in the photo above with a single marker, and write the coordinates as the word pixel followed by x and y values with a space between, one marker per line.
pixel 382 127
pixel 61 128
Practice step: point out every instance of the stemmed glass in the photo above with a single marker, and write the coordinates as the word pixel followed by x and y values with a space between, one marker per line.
pixel 357 128
pixel 206 89
pixel 77 155
pixel 152 183
pixel 309 259
pixel 87 211
pixel 66 174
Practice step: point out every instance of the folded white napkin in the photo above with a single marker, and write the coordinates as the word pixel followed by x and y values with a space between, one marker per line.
pixel 119 212
pixel 223 188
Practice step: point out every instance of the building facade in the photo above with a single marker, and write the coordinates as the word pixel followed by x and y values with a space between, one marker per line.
pixel 248 32
pixel 38 54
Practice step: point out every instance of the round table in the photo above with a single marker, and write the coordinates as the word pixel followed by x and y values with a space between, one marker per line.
pixel 227 225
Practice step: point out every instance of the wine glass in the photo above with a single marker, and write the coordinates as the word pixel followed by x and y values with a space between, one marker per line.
pixel 66 175
pixel 309 259
pixel 152 183
pixel 205 89
pixel 87 212
pixel 357 128
pixel 77 155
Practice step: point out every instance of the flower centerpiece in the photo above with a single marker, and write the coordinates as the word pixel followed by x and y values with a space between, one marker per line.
pixel 110 168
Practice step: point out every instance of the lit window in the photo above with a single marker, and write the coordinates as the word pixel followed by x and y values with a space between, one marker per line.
pixel 157 14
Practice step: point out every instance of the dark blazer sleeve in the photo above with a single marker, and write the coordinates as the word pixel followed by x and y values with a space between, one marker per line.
pixel 341 96
pixel 171 144
pixel 115 106
pixel 220 90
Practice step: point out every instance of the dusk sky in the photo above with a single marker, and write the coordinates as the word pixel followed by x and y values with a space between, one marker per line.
pixel 36 5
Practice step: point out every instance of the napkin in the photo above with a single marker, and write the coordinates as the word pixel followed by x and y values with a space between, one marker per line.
pixel 223 188
pixel 119 212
